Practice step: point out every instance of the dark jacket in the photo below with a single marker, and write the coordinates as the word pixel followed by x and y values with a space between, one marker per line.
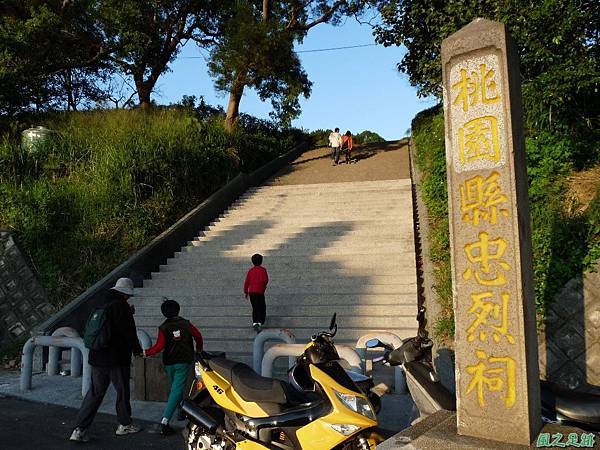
pixel 123 336
pixel 179 342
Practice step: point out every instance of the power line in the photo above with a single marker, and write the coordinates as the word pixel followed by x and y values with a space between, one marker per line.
pixel 304 51
pixel 334 48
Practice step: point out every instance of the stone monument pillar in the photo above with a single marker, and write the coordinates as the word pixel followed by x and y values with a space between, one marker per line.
pixel 498 393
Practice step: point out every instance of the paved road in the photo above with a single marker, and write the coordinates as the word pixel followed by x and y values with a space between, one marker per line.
pixel 32 425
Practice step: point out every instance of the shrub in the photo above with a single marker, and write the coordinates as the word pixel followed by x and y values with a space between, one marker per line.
pixel 367 137
pixel 565 242
pixel 319 138
pixel 430 159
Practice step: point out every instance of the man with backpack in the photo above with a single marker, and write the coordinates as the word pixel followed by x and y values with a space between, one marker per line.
pixel 111 336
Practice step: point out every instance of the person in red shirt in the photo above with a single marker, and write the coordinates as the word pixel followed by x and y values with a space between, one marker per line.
pixel 347 146
pixel 176 337
pixel 254 287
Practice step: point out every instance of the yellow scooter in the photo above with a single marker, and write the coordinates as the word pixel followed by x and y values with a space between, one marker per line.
pixel 232 407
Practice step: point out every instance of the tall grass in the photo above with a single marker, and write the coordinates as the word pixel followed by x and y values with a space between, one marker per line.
pixel 109 181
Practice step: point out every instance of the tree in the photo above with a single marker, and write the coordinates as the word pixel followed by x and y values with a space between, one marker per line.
pixel 46 47
pixel 257 50
pixel 145 37
pixel 368 137
pixel 557 42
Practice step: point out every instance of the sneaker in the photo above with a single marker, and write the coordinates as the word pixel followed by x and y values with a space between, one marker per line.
pixel 260 327
pixel 79 435
pixel 256 326
pixel 166 430
pixel 127 429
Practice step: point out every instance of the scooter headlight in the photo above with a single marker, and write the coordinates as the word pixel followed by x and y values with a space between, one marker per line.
pixel 197 367
pixel 357 404
pixel 345 428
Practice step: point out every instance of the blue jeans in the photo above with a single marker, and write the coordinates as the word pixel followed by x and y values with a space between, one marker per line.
pixel 335 154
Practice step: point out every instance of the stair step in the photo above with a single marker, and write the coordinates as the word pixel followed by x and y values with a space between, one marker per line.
pixel 291 310
pixel 298 250
pixel 340 211
pixel 274 291
pixel 228 236
pixel 327 234
pixel 395 218
pixel 142 296
pixel 282 280
pixel 289 243
pixel 354 202
pixel 353 186
pixel 237 266
pixel 302 334
pixel 384 321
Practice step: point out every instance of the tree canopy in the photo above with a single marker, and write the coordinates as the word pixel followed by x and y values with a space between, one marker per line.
pixel 145 37
pixel 256 50
pixel 48 52
pixel 60 53
pixel 557 42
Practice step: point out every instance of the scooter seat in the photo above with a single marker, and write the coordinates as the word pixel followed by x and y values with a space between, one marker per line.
pixel 574 406
pixel 248 384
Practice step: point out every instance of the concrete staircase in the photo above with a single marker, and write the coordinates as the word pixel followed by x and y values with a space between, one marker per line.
pixel 339 247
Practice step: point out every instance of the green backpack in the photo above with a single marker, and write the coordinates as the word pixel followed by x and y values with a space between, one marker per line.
pixel 97 330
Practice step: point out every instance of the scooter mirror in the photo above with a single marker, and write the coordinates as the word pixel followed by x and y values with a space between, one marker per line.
pixel 332 323
pixel 378 359
pixel 373 343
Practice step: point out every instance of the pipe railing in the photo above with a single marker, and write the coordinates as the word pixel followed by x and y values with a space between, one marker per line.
pixel 54 353
pixel 390 339
pixel 144 339
pixel 344 351
pixel 270 334
pixel 53 341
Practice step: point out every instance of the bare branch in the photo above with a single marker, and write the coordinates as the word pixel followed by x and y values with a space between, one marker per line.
pixel 324 18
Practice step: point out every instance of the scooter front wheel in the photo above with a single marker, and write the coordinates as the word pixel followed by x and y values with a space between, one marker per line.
pixel 197 439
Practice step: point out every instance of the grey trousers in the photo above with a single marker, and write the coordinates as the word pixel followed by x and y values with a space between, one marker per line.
pixel 101 378
pixel 335 154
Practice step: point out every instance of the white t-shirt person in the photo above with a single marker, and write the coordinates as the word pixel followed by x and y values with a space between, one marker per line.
pixel 335 138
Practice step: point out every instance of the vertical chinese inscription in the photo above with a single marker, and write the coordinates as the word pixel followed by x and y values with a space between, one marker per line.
pixel 491 263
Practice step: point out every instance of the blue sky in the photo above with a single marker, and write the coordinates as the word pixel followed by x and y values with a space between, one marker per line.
pixel 356 89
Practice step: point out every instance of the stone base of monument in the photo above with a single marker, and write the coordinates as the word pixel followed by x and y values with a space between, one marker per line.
pixel 439 431
pixel 150 380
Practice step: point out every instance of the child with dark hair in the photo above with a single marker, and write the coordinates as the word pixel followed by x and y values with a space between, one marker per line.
pixel 347 146
pixel 254 287
pixel 176 337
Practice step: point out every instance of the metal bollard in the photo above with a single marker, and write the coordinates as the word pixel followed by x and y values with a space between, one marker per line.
pixel 388 338
pixel 53 341
pixel 144 339
pixel 346 352
pixel 54 353
pixel 258 348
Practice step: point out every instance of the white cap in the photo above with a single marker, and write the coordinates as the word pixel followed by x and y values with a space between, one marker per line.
pixel 124 286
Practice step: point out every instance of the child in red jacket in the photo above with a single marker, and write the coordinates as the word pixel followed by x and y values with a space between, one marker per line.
pixel 254 287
